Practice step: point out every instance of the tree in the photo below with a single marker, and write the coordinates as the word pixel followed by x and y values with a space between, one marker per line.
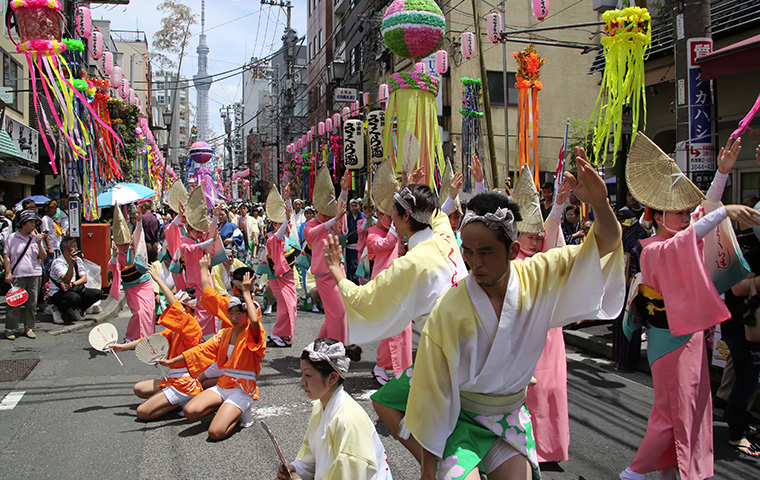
pixel 174 32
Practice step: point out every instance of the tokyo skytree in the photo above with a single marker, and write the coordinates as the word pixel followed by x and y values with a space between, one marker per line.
pixel 201 80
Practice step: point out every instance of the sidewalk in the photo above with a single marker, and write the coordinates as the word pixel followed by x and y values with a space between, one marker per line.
pixel 45 325
pixel 597 339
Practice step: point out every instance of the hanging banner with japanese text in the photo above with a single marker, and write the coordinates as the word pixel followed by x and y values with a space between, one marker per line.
pixel 701 144
pixel 353 144
pixel 375 127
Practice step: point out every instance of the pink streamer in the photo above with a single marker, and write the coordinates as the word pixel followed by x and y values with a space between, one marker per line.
pixel 744 124
pixel 30 61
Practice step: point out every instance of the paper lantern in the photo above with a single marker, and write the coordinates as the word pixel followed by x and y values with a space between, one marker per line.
pixel 321 128
pixel 413 28
pixel 468 44
pixel 442 61
pixel 336 120
pixel 96 44
pixel 384 92
pixel 375 127
pixel 365 98
pixel 200 152
pixel 353 144
pixel 495 25
pixel 132 97
pixel 346 113
pixel 106 64
pixel 124 88
pixel 309 136
pixel 329 124
pixel 420 67
pixel 37 21
pixel 116 76
pixel 83 22
pixel 541 9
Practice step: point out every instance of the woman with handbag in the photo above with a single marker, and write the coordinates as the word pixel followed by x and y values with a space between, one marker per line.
pixel 23 266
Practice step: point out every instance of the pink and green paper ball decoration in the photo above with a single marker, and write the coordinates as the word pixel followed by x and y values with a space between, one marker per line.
pixel 413 28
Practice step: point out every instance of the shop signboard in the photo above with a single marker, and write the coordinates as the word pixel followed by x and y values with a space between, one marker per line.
pixel 25 138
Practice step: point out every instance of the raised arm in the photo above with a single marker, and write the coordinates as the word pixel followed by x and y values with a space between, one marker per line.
pixel 589 187
pixel 205 264
pixel 250 307
pixel 153 272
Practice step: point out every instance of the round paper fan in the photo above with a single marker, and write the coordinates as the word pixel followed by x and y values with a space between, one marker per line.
pixel 103 336
pixel 152 349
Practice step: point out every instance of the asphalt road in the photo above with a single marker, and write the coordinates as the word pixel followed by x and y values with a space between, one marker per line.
pixel 77 419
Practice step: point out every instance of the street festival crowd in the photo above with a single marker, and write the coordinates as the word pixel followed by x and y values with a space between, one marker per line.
pixel 489 283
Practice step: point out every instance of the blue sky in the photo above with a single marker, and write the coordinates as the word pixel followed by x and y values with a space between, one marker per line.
pixel 236 30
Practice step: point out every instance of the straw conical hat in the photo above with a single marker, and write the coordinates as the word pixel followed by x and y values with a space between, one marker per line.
pixel 443 192
pixel 384 186
pixel 526 197
pixel 655 180
pixel 324 200
pixel 196 211
pixel 275 206
pixel 119 227
pixel 177 195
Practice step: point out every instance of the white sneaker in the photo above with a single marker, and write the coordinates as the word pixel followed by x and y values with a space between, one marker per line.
pixel 57 317
pixel 246 418
pixel 268 311
pixel 76 313
pixel 315 309
pixel 95 309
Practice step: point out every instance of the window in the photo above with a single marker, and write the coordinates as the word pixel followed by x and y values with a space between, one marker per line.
pixel 355 59
pixel 321 40
pixel 496 88
pixel 12 71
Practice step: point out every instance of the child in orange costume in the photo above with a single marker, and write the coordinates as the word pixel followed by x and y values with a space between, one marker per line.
pixel 237 350
pixel 183 332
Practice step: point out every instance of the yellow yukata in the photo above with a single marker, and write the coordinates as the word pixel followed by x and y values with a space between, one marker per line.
pixel 465 345
pixel 221 278
pixel 408 289
pixel 341 443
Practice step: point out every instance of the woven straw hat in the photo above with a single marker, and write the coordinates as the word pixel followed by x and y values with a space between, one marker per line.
pixel 384 186
pixel 443 192
pixel 275 206
pixel 177 195
pixel 526 197
pixel 655 180
pixel 119 227
pixel 196 211
pixel 324 200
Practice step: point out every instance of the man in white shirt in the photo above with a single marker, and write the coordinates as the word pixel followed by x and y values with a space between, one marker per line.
pixel 68 278
pixel 298 214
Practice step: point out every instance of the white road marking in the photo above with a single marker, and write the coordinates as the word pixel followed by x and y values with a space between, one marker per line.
pixel 364 395
pixel 11 400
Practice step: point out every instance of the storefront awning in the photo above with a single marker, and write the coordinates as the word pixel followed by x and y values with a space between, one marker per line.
pixel 739 57
pixel 8 149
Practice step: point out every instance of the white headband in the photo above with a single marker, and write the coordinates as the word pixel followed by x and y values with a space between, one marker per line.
pixel 503 218
pixel 334 354
pixel 403 198
pixel 184 298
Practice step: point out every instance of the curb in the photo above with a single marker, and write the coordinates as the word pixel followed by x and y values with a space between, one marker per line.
pixel 591 343
pixel 110 310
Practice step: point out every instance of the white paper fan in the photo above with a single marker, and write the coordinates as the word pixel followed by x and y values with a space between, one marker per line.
pixel 152 349
pixel 103 336
pixel 410 152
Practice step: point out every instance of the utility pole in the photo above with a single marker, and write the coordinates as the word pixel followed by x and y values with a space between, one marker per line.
pixel 694 128
pixel 505 74
pixel 287 108
pixel 225 114
pixel 487 98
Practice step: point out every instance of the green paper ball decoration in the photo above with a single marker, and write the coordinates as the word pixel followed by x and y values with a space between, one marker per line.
pixel 413 28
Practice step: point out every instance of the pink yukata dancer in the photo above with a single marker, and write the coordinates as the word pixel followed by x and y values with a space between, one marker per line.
pixel 547 399
pixel 330 211
pixel 201 234
pixel 394 354
pixel 129 269
pixel 175 229
pixel 282 282
pixel 676 298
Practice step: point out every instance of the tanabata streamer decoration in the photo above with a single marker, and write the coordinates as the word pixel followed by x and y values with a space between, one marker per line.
pixel 628 37
pixel 472 112
pixel 39 29
pixel 528 84
pixel 413 29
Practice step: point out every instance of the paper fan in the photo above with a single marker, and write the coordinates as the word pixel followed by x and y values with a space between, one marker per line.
pixel 177 195
pixel 275 206
pixel 384 186
pixel 103 336
pixel 152 348
pixel 443 192
pixel 655 180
